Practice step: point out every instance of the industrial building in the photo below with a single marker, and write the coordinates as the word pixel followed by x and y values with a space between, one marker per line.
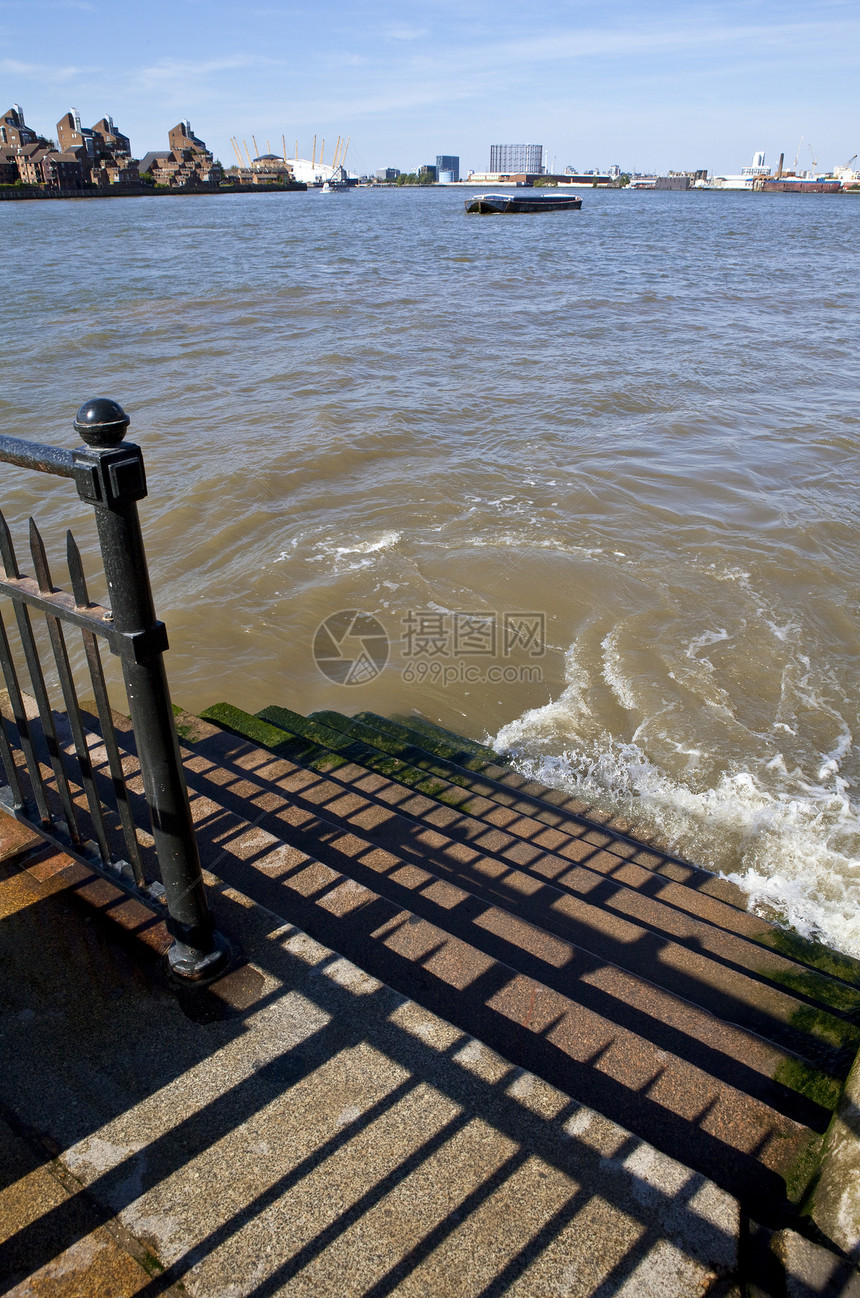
pixel 524 159
pixel 447 168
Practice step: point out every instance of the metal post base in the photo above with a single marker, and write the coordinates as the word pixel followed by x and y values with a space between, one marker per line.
pixel 193 966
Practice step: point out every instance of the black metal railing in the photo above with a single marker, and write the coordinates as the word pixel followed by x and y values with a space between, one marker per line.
pixel 65 768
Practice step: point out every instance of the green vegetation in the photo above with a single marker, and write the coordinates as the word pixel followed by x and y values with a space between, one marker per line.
pixel 414 179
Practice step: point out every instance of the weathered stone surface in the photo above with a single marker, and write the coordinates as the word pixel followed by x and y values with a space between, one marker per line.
pixel 835 1206
pixel 303 1128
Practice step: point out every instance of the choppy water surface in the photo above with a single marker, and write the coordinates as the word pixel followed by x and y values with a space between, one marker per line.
pixel 638 422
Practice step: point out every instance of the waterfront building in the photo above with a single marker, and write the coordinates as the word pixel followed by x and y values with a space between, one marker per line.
pixel 73 136
pixel 268 169
pixel 111 140
pixel 445 163
pixel 52 168
pixel 103 152
pixel 429 170
pixel 387 174
pixel 8 166
pixel 186 164
pixel 14 132
pixel 527 158
pixel 746 179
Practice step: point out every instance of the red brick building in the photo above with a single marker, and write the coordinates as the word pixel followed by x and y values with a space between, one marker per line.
pixel 187 165
pixel 14 133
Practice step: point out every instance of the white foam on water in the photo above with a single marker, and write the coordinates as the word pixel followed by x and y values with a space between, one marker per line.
pixel 355 556
pixel 787 833
pixel 383 542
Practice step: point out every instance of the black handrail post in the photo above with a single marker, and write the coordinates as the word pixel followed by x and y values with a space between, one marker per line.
pixel 110 476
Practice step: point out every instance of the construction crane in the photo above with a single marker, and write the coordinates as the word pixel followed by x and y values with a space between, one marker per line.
pixel 797 155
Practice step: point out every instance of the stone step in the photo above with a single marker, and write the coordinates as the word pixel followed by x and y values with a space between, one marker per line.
pixel 546 1004
pixel 562 810
pixel 584 867
pixel 548 918
pixel 337 733
pixel 508 789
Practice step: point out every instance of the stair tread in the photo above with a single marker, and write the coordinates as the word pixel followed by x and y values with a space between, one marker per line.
pixel 575 865
pixel 537 1021
pixel 332 800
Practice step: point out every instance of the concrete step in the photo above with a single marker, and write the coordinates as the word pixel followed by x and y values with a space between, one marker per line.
pixel 701 922
pixel 568 815
pixel 300 1128
pixel 641 1022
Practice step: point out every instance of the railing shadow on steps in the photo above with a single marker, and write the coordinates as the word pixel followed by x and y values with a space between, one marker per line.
pixel 37 737
pixel 264 828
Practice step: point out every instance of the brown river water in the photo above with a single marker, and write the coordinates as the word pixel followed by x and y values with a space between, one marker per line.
pixel 591 477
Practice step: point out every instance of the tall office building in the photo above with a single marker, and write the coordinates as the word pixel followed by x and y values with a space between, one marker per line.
pixel 517 159
pixel 447 162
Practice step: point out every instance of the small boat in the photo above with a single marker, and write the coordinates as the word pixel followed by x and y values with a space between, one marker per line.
pixel 533 201
pixel 338 182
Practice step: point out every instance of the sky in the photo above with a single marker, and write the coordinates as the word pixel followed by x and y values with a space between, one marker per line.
pixel 651 86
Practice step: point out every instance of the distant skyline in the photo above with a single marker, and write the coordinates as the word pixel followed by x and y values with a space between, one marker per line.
pixel 650 86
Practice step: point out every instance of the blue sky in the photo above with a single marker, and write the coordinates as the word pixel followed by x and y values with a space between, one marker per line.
pixel 649 85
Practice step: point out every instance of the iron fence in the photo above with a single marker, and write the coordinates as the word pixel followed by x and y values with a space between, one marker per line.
pixel 69 773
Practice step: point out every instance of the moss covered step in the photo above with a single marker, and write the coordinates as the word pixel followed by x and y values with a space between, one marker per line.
pixel 448 744
pixel 472 816
pixel 569 832
pixel 506 787
pixel 589 902
pixel 353 742
pixel 648 1056
pixel 425 733
pixel 786 941
pixel 512 840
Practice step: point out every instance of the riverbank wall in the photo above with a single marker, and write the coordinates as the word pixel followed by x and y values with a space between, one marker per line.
pixel 22 192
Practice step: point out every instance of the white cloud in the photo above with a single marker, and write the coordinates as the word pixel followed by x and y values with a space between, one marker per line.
pixel 42 71
pixel 405 32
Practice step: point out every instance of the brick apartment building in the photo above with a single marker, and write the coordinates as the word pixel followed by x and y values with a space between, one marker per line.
pixel 103 152
pixel 187 164
pixel 99 156
pixel 37 165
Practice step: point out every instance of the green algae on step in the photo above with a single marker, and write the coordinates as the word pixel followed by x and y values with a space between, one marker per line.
pixel 332 729
pixel 817 1024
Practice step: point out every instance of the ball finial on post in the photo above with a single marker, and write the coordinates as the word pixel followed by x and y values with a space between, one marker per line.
pixel 101 422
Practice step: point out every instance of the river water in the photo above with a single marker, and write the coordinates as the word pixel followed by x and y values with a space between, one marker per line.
pixel 593 474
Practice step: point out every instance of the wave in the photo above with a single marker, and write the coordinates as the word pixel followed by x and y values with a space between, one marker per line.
pixel 788 834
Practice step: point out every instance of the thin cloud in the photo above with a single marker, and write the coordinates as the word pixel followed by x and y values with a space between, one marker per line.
pixel 180 72
pixel 42 71
pixel 403 32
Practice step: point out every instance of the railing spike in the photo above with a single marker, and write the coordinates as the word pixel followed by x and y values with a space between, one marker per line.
pixel 40 560
pixel 7 550
pixel 76 572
